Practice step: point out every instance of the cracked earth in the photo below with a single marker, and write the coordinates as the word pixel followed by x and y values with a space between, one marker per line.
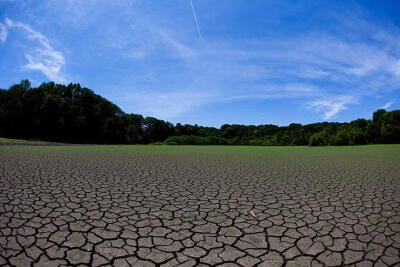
pixel 175 207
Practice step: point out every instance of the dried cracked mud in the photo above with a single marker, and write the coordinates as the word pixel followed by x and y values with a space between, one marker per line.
pixel 172 206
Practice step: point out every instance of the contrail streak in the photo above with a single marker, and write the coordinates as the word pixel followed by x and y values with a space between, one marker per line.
pixel 197 24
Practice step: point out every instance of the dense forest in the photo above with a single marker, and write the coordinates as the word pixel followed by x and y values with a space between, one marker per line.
pixel 74 114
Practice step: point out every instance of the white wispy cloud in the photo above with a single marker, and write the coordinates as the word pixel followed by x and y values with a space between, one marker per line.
pixel 182 49
pixel 290 68
pixel 396 67
pixel 167 105
pixel 274 91
pixel 318 55
pixel 44 57
pixel 171 104
pixel 332 106
pixel 3 33
pixel 387 105
pixel 145 40
pixel 283 67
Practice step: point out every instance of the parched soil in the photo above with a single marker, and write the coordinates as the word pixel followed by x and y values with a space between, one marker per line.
pixel 176 206
pixel 22 142
pixel 30 144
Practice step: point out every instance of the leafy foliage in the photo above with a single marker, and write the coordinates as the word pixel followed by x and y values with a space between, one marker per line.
pixel 195 140
pixel 71 113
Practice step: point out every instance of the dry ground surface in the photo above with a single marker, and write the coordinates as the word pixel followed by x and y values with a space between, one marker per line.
pixel 22 142
pixel 187 206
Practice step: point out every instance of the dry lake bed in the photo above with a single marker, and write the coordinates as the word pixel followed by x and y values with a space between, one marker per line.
pixel 199 206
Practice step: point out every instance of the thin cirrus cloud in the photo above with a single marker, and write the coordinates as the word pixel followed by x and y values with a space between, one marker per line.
pixel 332 106
pixel 3 33
pixel 387 105
pixel 235 74
pixel 318 55
pixel 168 104
pixel 44 57
pixel 146 40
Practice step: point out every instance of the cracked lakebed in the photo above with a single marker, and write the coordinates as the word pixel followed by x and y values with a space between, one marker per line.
pixel 189 206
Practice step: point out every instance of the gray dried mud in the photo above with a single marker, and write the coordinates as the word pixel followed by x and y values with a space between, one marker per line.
pixel 95 206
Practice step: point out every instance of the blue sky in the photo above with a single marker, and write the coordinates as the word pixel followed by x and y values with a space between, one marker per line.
pixel 247 62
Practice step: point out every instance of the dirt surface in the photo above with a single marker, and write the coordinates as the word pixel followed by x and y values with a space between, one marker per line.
pixel 30 144
pixel 191 207
pixel 23 142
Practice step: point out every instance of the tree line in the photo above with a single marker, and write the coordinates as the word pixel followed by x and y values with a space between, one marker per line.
pixel 74 114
